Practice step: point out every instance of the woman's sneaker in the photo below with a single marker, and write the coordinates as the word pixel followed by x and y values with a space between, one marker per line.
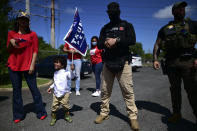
pixel 17 120
pixel 78 93
pixel 96 93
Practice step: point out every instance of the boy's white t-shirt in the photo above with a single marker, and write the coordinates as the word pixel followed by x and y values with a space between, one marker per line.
pixel 60 84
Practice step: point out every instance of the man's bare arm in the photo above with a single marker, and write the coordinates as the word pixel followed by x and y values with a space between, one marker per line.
pixel 156 50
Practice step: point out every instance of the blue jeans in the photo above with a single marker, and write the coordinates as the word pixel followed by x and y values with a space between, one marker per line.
pixel 77 71
pixel 17 105
pixel 97 69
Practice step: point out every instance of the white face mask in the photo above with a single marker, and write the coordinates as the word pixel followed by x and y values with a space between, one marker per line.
pixel 94 43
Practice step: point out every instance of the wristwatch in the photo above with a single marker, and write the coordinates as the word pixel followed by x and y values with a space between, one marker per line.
pixel 117 39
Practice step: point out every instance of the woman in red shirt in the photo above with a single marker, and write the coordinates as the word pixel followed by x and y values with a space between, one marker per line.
pixel 97 64
pixel 22 44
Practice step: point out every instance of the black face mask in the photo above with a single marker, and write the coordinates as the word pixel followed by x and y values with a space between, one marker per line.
pixel 114 16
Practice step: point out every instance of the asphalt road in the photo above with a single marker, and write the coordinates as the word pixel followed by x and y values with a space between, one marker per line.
pixel 152 99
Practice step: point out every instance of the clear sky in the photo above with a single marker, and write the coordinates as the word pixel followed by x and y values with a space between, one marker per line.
pixel 147 17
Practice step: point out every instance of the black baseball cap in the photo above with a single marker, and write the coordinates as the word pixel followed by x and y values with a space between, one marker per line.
pixel 23 14
pixel 179 4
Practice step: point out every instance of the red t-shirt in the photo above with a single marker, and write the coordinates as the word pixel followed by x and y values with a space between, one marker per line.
pixel 20 58
pixel 95 54
pixel 75 56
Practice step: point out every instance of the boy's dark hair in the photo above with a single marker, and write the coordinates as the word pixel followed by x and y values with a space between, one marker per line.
pixel 60 59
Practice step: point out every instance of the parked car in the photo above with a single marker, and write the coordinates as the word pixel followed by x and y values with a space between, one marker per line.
pixel 46 67
pixel 136 62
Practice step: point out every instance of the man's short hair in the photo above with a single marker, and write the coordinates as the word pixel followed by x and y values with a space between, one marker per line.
pixel 179 5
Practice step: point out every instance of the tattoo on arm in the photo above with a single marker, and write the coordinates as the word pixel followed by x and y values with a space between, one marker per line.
pixel 156 50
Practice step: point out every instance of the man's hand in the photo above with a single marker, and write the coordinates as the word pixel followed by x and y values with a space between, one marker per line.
pixel 156 65
pixel 13 43
pixel 110 42
pixel 195 63
pixel 49 90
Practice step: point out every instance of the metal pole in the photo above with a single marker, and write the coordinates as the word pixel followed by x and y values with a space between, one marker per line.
pixel 27 7
pixel 52 24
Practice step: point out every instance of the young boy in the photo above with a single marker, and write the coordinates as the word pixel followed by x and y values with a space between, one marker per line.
pixel 61 88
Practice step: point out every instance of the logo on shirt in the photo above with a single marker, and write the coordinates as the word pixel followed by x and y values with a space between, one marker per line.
pixel 121 28
pixel 170 27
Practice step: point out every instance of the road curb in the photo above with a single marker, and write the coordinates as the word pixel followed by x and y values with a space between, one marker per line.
pixel 25 88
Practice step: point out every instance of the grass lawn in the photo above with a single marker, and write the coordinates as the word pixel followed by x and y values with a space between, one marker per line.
pixel 8 84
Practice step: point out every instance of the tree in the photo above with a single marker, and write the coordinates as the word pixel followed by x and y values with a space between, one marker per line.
pixel 4 26
pixel 61 48
pixel 87 55
pixel 137 49
pixel 45 49
pixel 148 57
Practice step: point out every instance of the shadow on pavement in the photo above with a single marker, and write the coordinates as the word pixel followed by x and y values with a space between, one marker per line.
pixel 183 125
pixel 61 111
pixel 3 98
pixel 113 111
pixel 31 108
pixel 28 108
pixel 86 77
pixel 73 89
pixel 91 89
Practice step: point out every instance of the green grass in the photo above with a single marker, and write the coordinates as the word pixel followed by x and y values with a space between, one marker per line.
pixel 8 84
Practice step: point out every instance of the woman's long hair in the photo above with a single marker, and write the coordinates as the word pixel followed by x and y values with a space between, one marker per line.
pixel 93 37
pixel 22 22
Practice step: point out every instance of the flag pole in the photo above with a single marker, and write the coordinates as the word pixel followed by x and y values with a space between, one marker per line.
pixel 72 58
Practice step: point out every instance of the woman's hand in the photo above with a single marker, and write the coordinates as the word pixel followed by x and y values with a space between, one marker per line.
pixel 13 43
pixel 31 69
pixel 73 51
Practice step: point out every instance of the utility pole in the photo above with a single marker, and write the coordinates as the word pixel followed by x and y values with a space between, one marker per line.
pixel 27 7
pixel 52 24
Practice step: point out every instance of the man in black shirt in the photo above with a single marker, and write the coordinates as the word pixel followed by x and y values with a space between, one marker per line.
pixel 177 40
pixel 115 38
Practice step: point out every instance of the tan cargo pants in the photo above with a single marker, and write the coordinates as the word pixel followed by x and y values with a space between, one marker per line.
pixel 126 84
pixel 57 101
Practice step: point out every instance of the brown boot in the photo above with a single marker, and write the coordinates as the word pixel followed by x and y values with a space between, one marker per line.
pixel 99 119
pixel 134 124
pixel 175 118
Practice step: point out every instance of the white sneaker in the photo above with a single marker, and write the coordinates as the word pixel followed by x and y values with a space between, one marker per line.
pixel 70 92
pixel 96 93
pixel 78 93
